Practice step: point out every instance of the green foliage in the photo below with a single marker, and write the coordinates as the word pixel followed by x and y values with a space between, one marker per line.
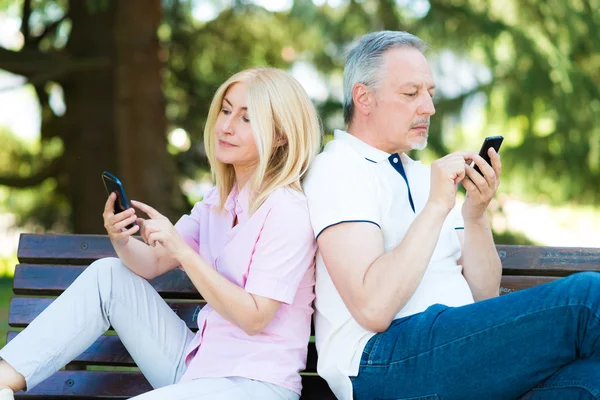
pixel 532 65
pixel 5 295
pixel 507 237
pixel 38 207
pixel 541 57
pixel 544 92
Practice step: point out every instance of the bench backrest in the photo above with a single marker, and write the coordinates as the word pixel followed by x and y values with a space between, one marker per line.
pixel 48 264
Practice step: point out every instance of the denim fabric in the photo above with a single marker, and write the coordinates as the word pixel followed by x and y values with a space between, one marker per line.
pixel 539 343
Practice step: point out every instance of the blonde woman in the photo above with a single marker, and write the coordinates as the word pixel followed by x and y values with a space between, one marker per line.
pixel 247 247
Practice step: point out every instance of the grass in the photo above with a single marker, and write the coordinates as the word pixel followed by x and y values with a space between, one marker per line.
pixel 5 295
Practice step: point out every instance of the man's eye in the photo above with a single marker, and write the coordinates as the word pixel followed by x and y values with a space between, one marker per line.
pixel 410 94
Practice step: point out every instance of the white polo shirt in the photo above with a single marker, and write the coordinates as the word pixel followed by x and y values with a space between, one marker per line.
pixel 353 181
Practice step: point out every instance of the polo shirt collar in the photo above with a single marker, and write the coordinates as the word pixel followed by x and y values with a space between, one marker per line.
pixel 367 151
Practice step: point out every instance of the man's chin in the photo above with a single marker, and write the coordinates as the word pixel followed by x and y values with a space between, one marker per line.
pixel 420 145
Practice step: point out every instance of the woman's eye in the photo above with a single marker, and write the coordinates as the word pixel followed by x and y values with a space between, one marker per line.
pixel 246 119
pixel 224 111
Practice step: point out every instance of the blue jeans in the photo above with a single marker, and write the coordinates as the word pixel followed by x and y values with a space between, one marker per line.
pixel 539 343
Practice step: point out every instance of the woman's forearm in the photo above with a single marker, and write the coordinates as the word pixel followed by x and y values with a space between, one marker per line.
pixel 147 262
pixel 229 300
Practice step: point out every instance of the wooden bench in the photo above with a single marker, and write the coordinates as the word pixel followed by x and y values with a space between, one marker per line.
pixel 48 264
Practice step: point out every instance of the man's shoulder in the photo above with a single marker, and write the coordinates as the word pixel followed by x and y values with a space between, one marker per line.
pixel 340 169
pixel 338 149
pixel 337 156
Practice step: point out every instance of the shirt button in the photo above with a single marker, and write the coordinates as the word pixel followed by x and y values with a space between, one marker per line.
pixel 395 160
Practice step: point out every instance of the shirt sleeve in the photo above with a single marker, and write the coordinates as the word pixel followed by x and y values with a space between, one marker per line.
pixel 188 227
pixel 341 190
pixel 284 252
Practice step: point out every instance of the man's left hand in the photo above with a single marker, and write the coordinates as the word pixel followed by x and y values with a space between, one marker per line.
pixel 481 189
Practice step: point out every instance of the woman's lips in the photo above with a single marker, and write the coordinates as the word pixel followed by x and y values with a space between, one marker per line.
pixel 225 144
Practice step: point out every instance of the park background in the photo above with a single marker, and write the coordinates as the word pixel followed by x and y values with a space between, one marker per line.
pixel 124 86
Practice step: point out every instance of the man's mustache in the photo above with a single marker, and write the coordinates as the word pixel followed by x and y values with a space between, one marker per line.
pixel 420 122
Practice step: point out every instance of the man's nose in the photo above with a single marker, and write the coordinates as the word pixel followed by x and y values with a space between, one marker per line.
pixel 426 107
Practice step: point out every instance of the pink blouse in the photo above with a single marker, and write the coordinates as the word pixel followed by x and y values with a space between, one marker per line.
pixel 271 254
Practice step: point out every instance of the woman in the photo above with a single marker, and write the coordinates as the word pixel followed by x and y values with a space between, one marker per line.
pixel 247 247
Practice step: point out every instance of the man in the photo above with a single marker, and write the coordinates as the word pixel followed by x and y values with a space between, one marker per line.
pixel 407 302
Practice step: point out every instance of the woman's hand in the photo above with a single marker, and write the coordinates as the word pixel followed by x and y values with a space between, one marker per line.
pixel 158 229
pixel 115 224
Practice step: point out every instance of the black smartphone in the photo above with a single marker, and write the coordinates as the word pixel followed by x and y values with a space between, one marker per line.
pixel 113 184
pixel 490 141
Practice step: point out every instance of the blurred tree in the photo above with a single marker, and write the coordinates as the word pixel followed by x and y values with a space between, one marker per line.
pixel 109 70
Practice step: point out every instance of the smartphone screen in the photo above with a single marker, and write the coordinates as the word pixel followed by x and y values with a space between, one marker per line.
pixel 489 142
pixel 113 184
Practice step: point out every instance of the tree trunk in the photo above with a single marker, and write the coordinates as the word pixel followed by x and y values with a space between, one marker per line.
pixel 146 167
pixel 115 117
pixel 90 122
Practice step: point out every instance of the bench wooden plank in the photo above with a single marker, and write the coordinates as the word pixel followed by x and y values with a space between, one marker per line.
pixel 108 350
pixel 68 249
pixel 514 283
pixel 24 309
pixel 123 385
pixel 548 261
pixel 517 260
pixel 52 280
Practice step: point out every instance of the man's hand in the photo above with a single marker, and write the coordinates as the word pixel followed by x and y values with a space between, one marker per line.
pixel 115 224
pixel 481 189
pixel 159 230
pixel 446 173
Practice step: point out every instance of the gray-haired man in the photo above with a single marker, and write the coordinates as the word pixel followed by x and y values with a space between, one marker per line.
pixel 407 302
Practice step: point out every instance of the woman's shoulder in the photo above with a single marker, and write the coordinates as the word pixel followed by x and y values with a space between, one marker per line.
pixel 287 207
pixel 287 197
pixel 211 197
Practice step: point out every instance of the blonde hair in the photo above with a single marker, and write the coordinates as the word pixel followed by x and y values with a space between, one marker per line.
pixel 286 129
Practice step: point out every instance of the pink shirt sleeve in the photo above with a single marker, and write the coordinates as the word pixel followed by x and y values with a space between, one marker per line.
pixel 188 227
pixel 285 250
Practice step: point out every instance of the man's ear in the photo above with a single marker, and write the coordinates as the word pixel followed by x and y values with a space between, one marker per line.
pixel 363 99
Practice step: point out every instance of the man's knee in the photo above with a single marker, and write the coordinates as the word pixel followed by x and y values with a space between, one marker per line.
pixel 584 281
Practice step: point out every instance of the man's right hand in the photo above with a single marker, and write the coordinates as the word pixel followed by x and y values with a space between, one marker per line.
pixel 115 224
pixel 446 173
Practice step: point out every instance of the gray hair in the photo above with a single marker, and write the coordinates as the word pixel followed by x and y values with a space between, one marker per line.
pixel 365 62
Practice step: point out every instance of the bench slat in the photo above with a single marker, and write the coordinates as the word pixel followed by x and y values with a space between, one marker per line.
pixel 517 260
pixel 513 283
pixel 548 261
pixel 68 249
pixel 52 280
pixel 123 385
pixel 24 309
pixel 109 351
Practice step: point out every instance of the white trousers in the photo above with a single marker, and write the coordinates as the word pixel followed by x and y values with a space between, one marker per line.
pixel 108 294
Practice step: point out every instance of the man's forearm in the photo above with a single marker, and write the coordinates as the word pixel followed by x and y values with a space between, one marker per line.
pixel 394 277
pixel 481 265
